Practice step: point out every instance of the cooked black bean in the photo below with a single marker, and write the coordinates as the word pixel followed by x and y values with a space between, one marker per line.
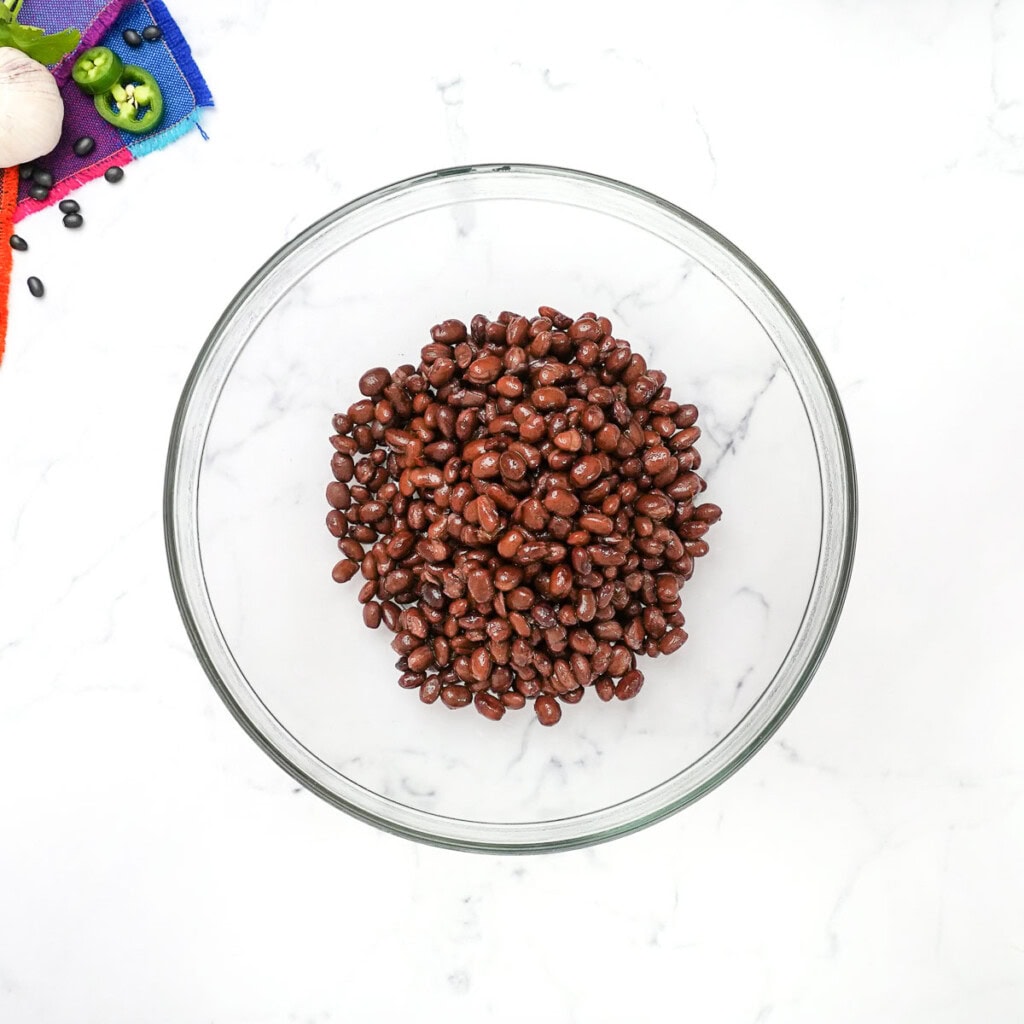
pixel 43 177
pixel 345 570
pixel 151 33
pixel 35 286
pixel 629 685
pixel 84 146
pixel 456 696
pixel 548 710
pixel 114 174
pixel 73 220
pixel 373 382
pixel 69 206
pixel 19 243
pixel 488 706
pixel 40 192
pixel 521 505
pixel 25 171
pixel 131 37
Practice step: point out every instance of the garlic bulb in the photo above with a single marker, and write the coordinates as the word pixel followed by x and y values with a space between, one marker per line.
pixel 31 110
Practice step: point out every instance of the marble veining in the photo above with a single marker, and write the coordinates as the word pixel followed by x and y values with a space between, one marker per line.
pixel 865 865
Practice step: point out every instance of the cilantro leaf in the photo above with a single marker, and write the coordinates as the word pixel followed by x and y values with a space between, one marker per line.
pixel 51 49
pixel 9 11
pixel 34 42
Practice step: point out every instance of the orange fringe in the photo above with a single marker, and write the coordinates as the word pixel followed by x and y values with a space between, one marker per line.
pixel 8 200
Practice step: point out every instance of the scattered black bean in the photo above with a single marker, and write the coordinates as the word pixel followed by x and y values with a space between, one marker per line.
pixel 25 171
pixel 114 175
pixel 85 145
pixel 40 192
pixel 43 177
pixel 35 286
pixel 131 37
pixel 69 206
pixel 152 33
pixel 73 220
pixel 19 243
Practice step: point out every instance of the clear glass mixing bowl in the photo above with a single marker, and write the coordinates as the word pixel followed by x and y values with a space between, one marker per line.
pixel 250 558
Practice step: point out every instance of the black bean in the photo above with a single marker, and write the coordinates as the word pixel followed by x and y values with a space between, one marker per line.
pixel 40 192
pixel 73 220
pixel 35 286
pixel 114 174
pixel 43 177
pixel 25 171
pixel 84 146
pixel 19 243
pixel 69 206
pixel 151 33
pixel 131 37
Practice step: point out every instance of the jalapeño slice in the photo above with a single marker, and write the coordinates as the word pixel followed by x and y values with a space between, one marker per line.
pixel 133 103
pixel 97 70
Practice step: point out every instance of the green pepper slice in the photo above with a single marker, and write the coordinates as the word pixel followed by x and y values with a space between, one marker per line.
pixel 133 103
pixel 97 70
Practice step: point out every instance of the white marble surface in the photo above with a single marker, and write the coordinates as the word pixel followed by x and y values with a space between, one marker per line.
pixel 157 867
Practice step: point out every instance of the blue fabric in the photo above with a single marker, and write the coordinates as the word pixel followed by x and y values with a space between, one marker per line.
pixel 161 61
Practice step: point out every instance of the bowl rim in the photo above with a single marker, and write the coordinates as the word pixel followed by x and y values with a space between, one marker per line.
pixel 846 547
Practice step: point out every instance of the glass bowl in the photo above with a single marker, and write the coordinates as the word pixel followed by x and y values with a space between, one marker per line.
pixel 250 557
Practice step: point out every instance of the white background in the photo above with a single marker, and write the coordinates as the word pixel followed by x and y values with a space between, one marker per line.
pixel 155 866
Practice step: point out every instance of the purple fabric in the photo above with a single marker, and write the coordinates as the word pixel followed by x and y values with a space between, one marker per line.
pixel 80 111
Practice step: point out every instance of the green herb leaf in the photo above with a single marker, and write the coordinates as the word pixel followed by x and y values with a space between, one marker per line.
pixel 34 42
pixel 9 11
pixel 51 49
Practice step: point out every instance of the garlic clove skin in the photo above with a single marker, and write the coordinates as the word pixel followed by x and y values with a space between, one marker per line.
pixel 31 109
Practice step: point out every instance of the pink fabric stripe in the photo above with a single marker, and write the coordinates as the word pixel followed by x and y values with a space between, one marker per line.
pixel 64 188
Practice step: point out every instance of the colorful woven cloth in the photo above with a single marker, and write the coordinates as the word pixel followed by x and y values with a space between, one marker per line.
pixel 168 60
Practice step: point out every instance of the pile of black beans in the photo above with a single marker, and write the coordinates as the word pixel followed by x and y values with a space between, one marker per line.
pixel 523 508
